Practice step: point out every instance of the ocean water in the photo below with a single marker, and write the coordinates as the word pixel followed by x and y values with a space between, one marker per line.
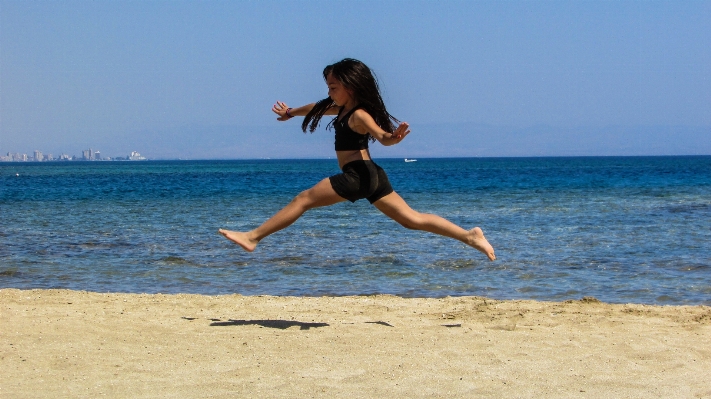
pixel 621 229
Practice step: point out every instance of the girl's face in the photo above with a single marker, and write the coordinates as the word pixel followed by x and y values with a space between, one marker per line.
pixel 338 93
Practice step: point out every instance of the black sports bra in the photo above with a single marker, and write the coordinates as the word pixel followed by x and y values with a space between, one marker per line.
pixel 346 138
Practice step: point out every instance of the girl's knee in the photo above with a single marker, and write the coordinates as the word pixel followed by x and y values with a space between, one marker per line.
pixel 304 199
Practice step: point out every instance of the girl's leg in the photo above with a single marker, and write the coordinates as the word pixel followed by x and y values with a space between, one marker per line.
pixel 397 209
pixel 321 194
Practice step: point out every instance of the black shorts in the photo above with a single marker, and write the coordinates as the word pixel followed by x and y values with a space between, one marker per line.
pixel 361 179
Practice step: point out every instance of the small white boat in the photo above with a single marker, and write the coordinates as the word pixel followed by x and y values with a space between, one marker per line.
pixel 410 160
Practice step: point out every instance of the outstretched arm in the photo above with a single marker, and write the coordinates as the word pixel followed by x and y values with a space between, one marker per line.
pixel 280 109
pixel 363 123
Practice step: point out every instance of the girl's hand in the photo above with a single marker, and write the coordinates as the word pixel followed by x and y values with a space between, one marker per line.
pixel 361 122
pixel 280 109
pixel 402 130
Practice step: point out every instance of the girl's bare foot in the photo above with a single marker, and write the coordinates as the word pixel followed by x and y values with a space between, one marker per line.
pixel 240 238
pixel 476 239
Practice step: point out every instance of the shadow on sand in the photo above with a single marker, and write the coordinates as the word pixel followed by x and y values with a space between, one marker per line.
pixel 281 324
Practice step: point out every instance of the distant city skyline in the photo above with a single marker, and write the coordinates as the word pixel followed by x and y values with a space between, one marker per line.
pixel 87 155
pixel 182 79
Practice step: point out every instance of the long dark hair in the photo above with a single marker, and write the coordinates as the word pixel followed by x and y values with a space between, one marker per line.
pixel 359 80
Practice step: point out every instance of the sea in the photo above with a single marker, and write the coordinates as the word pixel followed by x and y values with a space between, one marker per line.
pixel 620 229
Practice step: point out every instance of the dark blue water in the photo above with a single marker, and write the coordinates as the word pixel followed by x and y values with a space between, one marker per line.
pixel 629 229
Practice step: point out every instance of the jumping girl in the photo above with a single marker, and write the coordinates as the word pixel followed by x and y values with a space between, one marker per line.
pixel 361 116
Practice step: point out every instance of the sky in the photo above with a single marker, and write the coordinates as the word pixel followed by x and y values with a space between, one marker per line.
pixel 197 80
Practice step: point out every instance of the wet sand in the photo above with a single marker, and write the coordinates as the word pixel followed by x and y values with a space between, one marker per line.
pixel 59 343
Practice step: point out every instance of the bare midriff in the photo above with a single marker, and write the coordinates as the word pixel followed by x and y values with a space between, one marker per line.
pixel 345 157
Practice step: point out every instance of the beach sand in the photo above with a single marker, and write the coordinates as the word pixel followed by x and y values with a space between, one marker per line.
pixel 59 343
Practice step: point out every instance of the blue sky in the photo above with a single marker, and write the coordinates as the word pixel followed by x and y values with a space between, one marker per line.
pixel 197 79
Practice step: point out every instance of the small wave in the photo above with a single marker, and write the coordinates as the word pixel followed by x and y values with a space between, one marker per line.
pixel 288 259
pixel 9 273
pixel 693 267
pixel 528 289
pixel 403 274
pixel 688 208
pixel 239 263
pixel 175 260
pixel 383 260
pixel 455 264
pixel 100 245
pixel 666 299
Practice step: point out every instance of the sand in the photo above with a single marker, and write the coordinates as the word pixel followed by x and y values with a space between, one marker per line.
pixel 59 343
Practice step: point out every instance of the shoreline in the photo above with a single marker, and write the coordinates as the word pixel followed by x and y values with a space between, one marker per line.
pixel 85 344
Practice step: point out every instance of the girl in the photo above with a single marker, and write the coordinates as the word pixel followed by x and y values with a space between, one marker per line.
pixel 361 116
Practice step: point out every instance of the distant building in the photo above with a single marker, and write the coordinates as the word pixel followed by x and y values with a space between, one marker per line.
pixel 135 156
pixel 90 155
pixel 49 157
pixel 65 157
pixel 38 156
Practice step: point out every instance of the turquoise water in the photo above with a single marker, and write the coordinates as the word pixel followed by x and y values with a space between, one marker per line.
pixel 622 229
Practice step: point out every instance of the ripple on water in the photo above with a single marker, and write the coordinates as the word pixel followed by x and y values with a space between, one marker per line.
pixel 10 273
pixel 389 260
pixel 455 263
pixel 688 208
pixel 174 260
